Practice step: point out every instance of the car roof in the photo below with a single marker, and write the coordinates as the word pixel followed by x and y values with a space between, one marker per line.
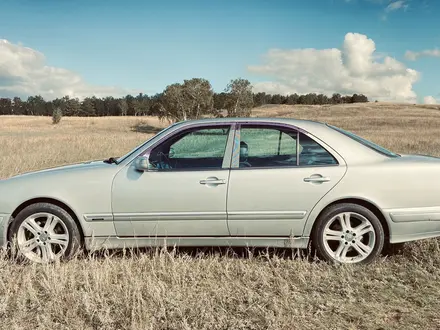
pixel 291 121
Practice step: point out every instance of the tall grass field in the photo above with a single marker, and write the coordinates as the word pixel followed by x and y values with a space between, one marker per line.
pixel 217 289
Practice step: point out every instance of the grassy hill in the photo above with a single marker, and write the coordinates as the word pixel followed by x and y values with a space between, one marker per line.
pixel 221 290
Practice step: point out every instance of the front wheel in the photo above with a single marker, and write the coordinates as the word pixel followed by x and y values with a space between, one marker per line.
pixel 348 233
pixel 44 233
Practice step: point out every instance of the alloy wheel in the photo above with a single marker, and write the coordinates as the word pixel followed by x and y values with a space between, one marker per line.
pixel 349 237
pixel 42 237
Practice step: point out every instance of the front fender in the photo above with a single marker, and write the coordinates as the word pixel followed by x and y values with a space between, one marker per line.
pixel 85 193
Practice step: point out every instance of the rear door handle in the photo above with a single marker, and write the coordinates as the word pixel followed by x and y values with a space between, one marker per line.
pixel 212 181
pixel 317 178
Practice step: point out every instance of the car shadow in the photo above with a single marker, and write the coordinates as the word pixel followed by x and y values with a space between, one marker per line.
pixel 243 253
pixel 203 252
pixel 145 128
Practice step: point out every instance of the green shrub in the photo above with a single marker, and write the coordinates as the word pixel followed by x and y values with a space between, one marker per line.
pixel 57 114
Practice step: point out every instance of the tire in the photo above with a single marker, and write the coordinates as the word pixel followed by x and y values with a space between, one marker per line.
pixel 332 238
pixel 42 242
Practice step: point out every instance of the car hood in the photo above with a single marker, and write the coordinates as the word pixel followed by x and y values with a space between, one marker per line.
pixel 65 168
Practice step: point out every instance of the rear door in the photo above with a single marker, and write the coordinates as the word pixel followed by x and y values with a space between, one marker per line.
pixel 278 174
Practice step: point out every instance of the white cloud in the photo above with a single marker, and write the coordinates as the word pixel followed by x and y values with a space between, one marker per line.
pixel 352 69
pixel 429 100
pixel 23 72
pixel 412 56
pixel 396 5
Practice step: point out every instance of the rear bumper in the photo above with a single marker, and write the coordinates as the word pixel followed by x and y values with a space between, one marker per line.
pixel 412 224
pixel 414 230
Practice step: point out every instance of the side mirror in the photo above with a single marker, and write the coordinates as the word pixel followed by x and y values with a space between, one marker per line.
pixel 142 164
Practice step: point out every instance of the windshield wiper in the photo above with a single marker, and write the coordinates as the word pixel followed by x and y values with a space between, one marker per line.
pixel 111 160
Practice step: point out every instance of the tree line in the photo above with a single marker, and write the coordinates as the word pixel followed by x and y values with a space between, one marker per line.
pixel 191 99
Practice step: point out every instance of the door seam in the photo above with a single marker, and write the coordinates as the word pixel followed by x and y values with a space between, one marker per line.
pixel 235 127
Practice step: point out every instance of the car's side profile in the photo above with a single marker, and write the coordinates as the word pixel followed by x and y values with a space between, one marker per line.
pixel 262 182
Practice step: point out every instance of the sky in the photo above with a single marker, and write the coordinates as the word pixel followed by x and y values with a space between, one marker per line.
pixel 385 49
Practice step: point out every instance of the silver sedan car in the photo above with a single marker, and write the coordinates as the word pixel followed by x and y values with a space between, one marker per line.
pixel 260 182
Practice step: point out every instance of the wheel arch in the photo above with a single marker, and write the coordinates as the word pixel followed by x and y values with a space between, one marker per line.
pixel 49 200
pixel 359 201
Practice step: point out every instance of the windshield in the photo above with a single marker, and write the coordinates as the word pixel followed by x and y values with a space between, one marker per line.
pixel 366 143
pixel 121 159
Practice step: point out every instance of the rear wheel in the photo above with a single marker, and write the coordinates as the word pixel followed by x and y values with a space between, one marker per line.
pixel 348 233
pixel 44 233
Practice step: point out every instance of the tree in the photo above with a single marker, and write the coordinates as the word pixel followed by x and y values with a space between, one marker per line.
pixel 69 106
pixel 72 107
pixel 357 98
pixel 156 104
pixel 122 107
pixel 36 105
pixel 199 96
pixel 189 100
pixel 141 105
pixel 87 108
pixel 239 100
pixel 98 105
pixel 262 98
pixel 192 99
pixel 310 98
pixel 17 106
pixel 110 106
pixel 5 106
pixel 336 98
pixel 322 99
pixel 346 99
pixel 277 99
pixel 172 105
pixel 292 99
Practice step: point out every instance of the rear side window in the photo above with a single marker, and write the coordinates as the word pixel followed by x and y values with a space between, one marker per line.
pixel 267 147
pixel 272 146
pixel 312 153
pixel 269 142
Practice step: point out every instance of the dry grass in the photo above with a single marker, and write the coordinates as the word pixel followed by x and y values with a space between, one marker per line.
pixel 28 143
pixel 168 290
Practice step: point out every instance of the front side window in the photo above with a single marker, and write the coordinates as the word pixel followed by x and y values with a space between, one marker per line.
pixel 192 149
pixel 139 147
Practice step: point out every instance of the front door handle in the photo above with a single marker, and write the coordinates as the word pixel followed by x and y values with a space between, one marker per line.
pixel 316 178
pixel 212 181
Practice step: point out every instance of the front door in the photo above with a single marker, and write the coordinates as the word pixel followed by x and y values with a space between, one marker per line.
pixel 279 176
pixel 185 193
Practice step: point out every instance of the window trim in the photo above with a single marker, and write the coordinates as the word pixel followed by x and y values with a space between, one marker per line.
pixel 198 126
pixel 279 126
